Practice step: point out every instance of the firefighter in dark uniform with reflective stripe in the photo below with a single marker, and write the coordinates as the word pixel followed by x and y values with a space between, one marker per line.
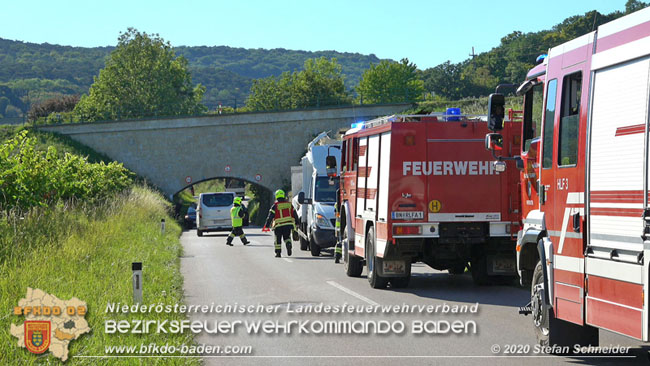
pixel 236 215
pixel 337 226
pixel 283 217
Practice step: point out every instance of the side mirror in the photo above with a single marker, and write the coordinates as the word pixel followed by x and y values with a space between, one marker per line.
pixel 493 142
pixel 496 111
pixel 330 166
pixel 302 200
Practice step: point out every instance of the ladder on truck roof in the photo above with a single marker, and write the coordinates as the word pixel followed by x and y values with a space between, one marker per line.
pixel 512 116
pixel 435 117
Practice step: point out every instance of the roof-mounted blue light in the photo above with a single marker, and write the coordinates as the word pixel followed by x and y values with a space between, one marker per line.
pixel 540 58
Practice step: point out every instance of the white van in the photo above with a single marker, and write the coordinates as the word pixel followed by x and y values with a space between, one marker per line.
pixel 213 212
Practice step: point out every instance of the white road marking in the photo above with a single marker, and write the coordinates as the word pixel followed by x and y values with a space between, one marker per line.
pixel 288 260
pixel 350 292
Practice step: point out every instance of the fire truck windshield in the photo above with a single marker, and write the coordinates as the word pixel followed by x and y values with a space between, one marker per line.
pixel 325 192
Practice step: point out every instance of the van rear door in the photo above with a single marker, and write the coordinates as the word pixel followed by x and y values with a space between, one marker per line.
pixel 216 208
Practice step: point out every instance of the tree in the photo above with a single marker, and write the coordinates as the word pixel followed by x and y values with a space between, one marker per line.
pixel 633 5
pixel 444 80
pixel 64 103
pixel 390 82
pixel 143 77
pixel 320 83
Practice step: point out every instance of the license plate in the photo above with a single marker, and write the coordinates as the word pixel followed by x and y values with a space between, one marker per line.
pixel 408 215
pixel 394 267
pixel 500 265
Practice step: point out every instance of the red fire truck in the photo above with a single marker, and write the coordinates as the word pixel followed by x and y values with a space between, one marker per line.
pixel 584 184
pixel 418 188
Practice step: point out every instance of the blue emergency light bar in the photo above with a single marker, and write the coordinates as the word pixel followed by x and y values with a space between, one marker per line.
pixel 541 58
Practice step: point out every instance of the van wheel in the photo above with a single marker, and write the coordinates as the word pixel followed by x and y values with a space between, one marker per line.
pixel 375 280
pixel 304 244
pixel 551 331
pixel 314 248
pixel 199 232
pixel 353 266
pixel 457 269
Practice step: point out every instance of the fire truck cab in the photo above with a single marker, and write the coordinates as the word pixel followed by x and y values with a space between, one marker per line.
pixel 584 182
pixel 418 188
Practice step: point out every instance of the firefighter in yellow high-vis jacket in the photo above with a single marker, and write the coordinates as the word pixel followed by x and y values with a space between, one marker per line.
pixel 237 215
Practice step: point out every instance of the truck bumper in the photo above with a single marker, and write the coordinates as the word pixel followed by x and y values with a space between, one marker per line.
pixel 324 238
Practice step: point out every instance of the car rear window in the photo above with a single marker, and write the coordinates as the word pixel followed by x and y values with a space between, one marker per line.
pixel 217 199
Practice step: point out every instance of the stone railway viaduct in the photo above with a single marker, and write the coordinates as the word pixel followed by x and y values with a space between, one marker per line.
pixel 174 153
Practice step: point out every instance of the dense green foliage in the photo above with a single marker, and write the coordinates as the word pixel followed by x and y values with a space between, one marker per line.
pixel 32 177
pixel 52 107
pixel 390 82
pixel 85 251
pixel 510 61
pixel 32 72
pixel 143 77
pixel 320 83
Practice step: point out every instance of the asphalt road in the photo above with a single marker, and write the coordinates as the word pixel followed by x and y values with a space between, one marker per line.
pixel 250 275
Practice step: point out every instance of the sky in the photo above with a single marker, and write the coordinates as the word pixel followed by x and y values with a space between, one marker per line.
pixel 428 33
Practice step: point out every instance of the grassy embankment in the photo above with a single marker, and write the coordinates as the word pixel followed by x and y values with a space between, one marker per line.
pixel 468 106
pixel 84 250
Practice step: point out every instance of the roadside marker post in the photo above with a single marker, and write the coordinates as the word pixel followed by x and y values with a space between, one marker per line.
pixel 162 226
pixel 136 267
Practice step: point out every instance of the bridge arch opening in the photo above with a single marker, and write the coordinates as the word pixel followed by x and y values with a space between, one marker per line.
pixel 257 197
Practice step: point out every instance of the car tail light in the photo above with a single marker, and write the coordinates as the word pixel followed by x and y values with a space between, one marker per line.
pixel 407 230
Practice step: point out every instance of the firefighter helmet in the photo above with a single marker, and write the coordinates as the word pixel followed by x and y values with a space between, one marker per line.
pixel 237 200
pixel 279 194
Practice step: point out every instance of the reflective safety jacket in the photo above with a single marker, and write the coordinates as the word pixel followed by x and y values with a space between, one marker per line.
pixel 282 214
pixel 236 215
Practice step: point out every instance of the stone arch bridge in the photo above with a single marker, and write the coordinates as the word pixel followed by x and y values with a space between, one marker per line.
pixel 174 153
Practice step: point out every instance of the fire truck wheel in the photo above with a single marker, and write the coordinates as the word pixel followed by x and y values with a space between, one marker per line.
pixel 458 269
pixel 374 279
pixel 540 312
pixel 314 248
pixel 551 331
pixel 353 266
pixel 479 271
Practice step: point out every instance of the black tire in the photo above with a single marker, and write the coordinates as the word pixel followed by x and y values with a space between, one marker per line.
pixel 458 269
pixel 304 244
pixel 375 280
pixel 402 282
pixel 199 232
pixel 540 317
pixel 551 331
pixel 314 248
pixel 479 271
pixel 353 265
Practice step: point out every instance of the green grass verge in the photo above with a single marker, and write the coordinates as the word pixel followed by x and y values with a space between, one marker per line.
pixel 86 252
